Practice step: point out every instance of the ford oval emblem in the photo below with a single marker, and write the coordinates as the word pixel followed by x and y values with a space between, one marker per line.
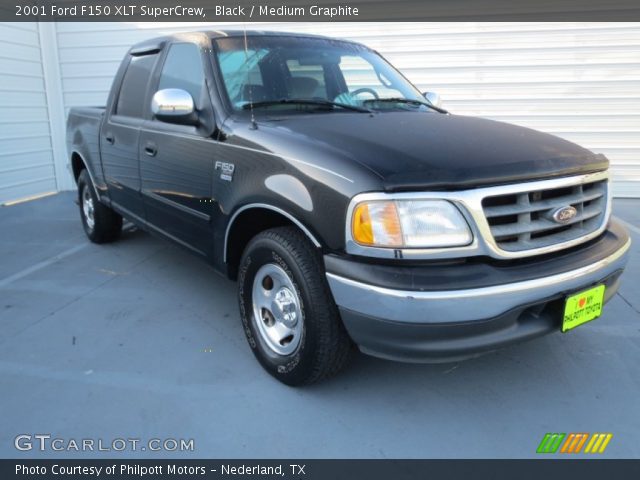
pixel 564 214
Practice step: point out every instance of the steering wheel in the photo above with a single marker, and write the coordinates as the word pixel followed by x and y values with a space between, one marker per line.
pixel 357 92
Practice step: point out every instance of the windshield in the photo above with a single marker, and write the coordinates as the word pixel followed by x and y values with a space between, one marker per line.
pixel 274 72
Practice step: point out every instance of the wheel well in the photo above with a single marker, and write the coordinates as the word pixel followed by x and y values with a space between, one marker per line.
pixel 77 165
pixel 247 225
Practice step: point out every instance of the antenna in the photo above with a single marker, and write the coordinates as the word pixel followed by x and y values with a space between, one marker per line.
pixel 254 125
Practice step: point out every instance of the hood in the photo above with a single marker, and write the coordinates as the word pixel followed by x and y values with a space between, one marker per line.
pixel 411 150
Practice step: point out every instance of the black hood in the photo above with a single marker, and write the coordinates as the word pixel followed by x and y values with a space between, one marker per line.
pixel 410 150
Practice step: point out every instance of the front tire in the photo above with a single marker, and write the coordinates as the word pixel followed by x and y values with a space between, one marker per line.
pixel 100 223
pixel 289 316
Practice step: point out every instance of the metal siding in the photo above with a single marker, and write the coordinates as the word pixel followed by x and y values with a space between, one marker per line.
pixel 26 157
pixel 580 81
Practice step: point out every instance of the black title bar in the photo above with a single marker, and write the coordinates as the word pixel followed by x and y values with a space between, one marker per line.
pixel 318 10
pixel 319 469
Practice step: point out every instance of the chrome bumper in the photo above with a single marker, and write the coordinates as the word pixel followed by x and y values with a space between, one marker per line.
pixel 455 306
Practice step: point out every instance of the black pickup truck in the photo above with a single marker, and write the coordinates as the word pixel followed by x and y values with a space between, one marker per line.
pixel 350 208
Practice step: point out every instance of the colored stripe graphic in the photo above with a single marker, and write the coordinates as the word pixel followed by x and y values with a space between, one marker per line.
pixel 598 443
pixel 573 442
pixel 550 442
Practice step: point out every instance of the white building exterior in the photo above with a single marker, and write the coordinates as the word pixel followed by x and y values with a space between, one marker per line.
pixel 580 81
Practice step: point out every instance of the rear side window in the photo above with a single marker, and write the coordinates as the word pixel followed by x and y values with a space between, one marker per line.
pixel 134 86
pixel 183 69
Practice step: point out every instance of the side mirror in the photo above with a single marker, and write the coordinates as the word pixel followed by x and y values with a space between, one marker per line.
pixel 174 105
pixel 433 98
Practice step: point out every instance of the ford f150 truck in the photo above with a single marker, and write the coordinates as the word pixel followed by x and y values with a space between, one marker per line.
pixel 350 208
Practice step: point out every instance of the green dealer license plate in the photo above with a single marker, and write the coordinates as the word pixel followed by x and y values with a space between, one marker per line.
pixel 583 307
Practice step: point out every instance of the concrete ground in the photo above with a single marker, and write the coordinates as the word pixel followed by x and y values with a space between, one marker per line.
pixel 139 339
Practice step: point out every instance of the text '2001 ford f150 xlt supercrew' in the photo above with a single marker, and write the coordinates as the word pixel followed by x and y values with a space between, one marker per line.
pixel 350 207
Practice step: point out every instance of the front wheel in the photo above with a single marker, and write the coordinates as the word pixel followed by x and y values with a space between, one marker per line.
pixel 290 319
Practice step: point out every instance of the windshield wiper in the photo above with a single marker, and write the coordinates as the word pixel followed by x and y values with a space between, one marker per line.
pixel 405 100
pixel 302 101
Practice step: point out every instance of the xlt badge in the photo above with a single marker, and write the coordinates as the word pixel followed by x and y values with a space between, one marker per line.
pixel 226 170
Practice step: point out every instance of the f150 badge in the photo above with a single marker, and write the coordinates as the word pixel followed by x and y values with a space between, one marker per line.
pixel 226 170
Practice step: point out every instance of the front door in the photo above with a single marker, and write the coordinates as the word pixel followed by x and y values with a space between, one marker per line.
pixel 177 161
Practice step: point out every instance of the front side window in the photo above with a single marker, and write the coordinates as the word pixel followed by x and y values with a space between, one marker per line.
pixel 275 71
pixel 134 86
pixel 183 69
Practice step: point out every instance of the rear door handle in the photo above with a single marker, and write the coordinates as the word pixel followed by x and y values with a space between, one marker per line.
pixel 150 149
pixel 109 138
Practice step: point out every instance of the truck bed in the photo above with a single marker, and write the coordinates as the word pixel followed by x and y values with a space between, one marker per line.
pixel 83 137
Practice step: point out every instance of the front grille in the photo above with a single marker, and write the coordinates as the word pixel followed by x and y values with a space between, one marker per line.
pixel 524 220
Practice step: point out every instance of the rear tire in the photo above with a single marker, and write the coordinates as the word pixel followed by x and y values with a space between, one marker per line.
pixel 289 316
pixel 100 223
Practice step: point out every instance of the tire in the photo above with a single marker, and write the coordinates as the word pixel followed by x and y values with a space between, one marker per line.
pixel 100 223
pixel 289 316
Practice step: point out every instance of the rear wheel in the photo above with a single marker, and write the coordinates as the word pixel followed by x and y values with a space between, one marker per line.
pixel 290 319
pixel 101 224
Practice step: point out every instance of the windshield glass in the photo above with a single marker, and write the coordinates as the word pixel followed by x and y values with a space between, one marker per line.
pixel 271 71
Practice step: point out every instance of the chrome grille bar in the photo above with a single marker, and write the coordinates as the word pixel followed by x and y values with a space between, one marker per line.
pixel 524 220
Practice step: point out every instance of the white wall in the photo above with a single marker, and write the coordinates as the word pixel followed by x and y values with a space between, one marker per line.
pixel 26 155
pixel 580 81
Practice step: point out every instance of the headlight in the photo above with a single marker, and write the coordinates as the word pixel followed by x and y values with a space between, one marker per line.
pixel 409 224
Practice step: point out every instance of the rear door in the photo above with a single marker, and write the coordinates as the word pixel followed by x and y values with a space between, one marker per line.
pixel 120 135
pixel 177 161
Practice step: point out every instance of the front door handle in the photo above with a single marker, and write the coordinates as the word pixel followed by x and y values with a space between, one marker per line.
pixel 109 138
pixel 150 149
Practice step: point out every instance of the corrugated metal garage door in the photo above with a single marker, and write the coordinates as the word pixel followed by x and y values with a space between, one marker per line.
pixel 577 80
pixel 26 156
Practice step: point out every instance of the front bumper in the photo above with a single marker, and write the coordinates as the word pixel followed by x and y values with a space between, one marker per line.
pixel 409 314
